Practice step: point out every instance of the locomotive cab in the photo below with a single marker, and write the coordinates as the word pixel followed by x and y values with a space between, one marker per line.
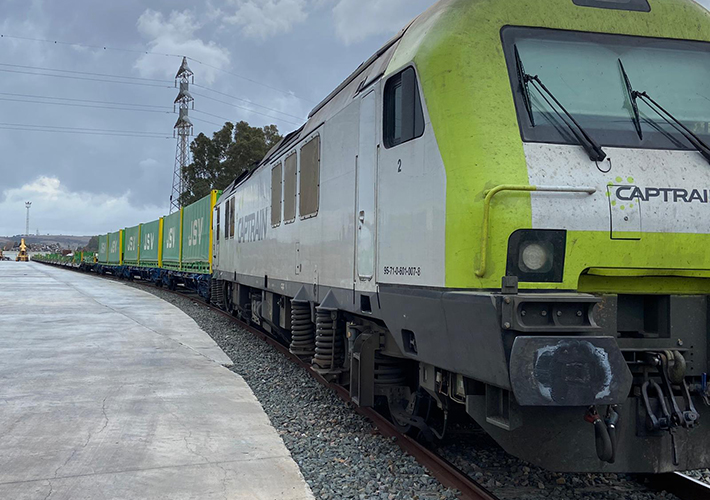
pixel 596 224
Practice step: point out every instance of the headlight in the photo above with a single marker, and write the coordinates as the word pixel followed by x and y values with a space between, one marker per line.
pixel 537 255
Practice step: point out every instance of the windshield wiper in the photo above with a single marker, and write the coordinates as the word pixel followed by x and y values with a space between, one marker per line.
pixel 634 106
pixel 593 149
pixel 520 69
pixel 692 138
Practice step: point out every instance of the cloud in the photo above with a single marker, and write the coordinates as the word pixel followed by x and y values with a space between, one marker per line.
pixel 57 210
pixel 356 20
pixel 149 163
pixel 177 35
pixel 261 19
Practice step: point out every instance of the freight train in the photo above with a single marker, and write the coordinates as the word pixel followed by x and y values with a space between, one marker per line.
pixel 504 211
pixel 175 250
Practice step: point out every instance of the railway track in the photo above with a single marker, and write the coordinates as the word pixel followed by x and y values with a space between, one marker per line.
pixel 682 486
pixel 678 484
pixel 440 468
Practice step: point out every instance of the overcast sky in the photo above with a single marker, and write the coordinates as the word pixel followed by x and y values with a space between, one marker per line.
pixel 86 183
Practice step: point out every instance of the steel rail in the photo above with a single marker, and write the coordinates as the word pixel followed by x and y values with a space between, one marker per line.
pixel 677 483
pixel 443 470
pixel 681 485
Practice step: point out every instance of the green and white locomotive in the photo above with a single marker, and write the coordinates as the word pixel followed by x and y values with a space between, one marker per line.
pixel 504 211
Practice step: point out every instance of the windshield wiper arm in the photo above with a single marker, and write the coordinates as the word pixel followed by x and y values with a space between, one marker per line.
pixel 632 99
pixel 524 87
pixel 593 149
pixel 692 138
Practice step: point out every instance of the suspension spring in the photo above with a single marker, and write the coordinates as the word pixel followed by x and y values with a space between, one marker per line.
pixel 303 339
pixel 330 345
pixel 389 371
pixel 217 293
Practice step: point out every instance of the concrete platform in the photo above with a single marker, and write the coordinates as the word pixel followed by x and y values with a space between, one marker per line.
pixel 108 392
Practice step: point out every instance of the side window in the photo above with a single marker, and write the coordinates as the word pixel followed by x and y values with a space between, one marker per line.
pixel 218 211
pixel 290 172
pixel 231 219
pixel 309 187
pixel 403 114
pixel 226 220
pixel 276 195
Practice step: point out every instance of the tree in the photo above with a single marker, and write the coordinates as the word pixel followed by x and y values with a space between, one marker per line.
pixel 216 162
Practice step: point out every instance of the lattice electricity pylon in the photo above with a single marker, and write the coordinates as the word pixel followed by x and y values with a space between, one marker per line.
pixel 183 131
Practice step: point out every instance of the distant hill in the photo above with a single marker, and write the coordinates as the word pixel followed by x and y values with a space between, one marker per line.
pixel 63 240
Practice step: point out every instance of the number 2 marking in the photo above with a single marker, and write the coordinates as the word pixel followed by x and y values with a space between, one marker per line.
pixel 399 165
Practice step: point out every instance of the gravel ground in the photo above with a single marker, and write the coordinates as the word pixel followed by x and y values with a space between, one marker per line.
pixel 511 478
pixel 700 475
pixel 342 456
pixel 340 453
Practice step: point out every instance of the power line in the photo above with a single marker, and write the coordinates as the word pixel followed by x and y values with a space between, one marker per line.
pixel 148 52
pixel 213 116
pixel 103 107
pixel 76 44
pixel 87 79
pixel 86 100
pixel 86 73
pixel 286 92
pixel 138 79
pixel 244 100
pixel 83 129
pixel 207 121
pixel 162 109
pixel 250 110
pixel 86 106
pixel 247 109
pixel 20 129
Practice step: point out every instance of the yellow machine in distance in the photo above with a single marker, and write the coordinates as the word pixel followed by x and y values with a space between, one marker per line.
pixel 22 255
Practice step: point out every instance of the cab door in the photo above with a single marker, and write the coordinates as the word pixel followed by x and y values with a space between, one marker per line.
pixel 366 172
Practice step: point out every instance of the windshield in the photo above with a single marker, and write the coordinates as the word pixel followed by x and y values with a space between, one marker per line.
pixel 583 71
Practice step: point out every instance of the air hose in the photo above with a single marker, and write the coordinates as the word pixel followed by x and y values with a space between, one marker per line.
pixel 605 450
pixel 612 418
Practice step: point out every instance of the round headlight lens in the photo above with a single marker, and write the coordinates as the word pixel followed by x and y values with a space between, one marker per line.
pixel 535 257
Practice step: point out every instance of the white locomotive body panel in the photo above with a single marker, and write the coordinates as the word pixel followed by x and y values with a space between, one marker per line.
pixel 378 208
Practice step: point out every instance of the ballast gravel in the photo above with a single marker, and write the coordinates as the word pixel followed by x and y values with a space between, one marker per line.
pixel 511 478
pixel 342 456
pixel 340 453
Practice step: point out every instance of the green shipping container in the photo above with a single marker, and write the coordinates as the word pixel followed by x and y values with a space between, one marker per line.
pixel 131 245
pixel 196 244
pixel 103 248
pixel 150 244
pixel 171 241
pixel 115 248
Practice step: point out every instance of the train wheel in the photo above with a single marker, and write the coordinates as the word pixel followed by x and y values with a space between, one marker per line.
pixel 409 411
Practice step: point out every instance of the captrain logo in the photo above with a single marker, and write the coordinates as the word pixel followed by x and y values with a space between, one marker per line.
pixel 666 194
